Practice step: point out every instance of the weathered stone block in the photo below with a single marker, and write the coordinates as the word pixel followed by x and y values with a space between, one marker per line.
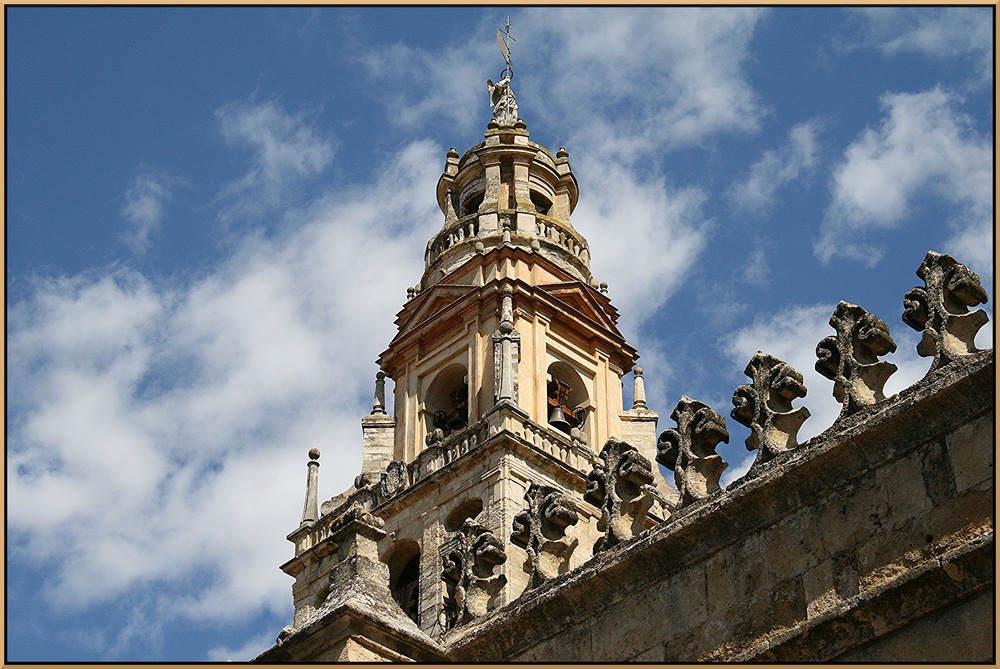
pixel 720 581
pixel 818 590
pixel 972 454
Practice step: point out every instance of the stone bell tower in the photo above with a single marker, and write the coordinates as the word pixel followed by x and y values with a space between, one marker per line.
pixel 508 368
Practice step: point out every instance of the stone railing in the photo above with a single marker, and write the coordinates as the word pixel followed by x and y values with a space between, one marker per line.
pixel 467 227
pixel 557 233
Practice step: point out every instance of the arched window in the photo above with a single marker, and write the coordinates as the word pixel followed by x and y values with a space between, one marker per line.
pixel 470 508
pixel 567 400
pixel 446 402
pixel 542 203
pixel 404 577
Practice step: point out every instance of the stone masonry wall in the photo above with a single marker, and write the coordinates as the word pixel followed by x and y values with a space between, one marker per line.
pixel 873 541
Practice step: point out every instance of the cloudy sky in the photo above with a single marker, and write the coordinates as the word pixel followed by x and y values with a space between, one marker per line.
pixel 214 213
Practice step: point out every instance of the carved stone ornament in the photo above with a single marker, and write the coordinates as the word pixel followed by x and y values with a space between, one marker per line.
pixel 689 450
pixel 356 514
pixel 850 358
pixel 468 572
pixel 394 478
pixel 765 406
pixel 940 309
pixel 620 486
pixel 503 101
pixel 541 531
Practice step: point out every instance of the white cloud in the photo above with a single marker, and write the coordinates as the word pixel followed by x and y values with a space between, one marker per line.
pixel 925 147
pixel 777 168
pixel 633 82
pixel 143 208
pixel 792 336
pixel 285 150
pixel 249 650
pixel 159 430
pixel 939 32
pixel 643 262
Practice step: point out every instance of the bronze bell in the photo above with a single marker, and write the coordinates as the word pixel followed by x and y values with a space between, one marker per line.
pixel 557 419
pixel 458 418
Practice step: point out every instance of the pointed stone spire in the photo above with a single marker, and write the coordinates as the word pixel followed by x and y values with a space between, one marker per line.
pixel 639 392
pixel 310 510
pixel 378 406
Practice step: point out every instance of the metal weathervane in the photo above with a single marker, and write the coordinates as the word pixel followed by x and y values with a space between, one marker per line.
pixel 501 95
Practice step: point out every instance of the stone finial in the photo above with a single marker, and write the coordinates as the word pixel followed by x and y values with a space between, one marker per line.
pixel 619 485
pixel 506 350
pixel 639 389
pixel 411 292
pixel 850 358
pixel 603 287
pixel 940 309
pixel 310 510
pixel 765 406
pixel 468 572
pixel 689 450
pixel 378 405
pixel 541 531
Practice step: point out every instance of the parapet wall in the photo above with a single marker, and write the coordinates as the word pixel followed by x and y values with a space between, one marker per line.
pixel 873 541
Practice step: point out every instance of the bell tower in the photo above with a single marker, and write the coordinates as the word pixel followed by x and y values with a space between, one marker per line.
pixel 507 367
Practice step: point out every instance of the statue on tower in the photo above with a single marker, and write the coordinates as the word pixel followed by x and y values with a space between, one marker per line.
pixel 502 98
pixel 503 101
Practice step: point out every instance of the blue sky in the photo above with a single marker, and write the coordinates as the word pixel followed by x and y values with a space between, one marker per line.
pixel 213 215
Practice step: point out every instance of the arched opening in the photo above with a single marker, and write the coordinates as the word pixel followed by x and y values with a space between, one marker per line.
pixel 471 204
pixel 470 508
pixel 446 403
pixel 542 203
pixel 404 577
pixel 567 401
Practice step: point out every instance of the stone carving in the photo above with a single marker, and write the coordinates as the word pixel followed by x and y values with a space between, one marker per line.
pixel 940 309
pixel 765 406
pixel 468 572
pixel 506 351
pixel 378 403
pixel 355 514
pixel 620 486
pixel 541 531
pixel 850 358
pixel 502 101
pixel 689 450
pixel 393 479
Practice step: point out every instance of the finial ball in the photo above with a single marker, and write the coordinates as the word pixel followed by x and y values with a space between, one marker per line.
pixel 314 454
pixel 507 290
pixel 380 376
pixel 638 371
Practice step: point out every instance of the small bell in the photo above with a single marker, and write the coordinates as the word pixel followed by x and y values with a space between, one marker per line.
pixel 557 419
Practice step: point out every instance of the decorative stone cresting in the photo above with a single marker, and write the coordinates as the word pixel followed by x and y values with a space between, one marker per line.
pixel 619 484
pixel 468 572
pixel 689 450
pixel 940 309
pixel 541 531
pixel 765 406
pixel 850 358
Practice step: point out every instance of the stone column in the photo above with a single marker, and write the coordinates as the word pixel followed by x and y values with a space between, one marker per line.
pixel 310 510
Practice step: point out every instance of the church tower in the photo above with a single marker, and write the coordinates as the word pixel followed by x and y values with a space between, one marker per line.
pixel 491 475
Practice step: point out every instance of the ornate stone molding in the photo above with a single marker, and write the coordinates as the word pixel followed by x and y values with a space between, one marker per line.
pixel 541 531
pixel 468 572
pixel 689 450
pixel 939 309
pixel 850 358
pixel 619 484
pixel 765 406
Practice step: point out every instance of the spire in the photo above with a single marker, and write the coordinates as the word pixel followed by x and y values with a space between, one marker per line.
pixel 310 510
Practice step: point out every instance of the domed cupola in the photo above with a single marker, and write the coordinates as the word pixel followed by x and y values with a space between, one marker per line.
pixel 506 190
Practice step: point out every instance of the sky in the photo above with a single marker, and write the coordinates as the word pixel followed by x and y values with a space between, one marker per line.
pixel 213 215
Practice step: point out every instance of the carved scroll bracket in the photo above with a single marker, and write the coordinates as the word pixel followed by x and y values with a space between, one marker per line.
pixel 689 450
pixel 468 572
pixel 850 359
pixel 765 406
pixel 939 309
pixel 620 486
pixel 541 531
